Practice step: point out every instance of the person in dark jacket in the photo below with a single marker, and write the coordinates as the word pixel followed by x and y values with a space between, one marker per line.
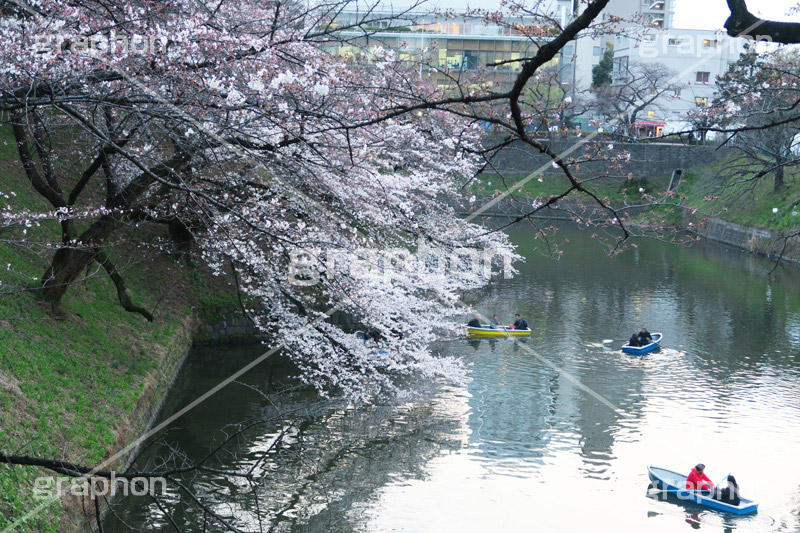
pixel 519 322
pixel 372 334
pixel 729 493
pixel 495 322
pixel 475 322
pixel 644 337
pixel 634 340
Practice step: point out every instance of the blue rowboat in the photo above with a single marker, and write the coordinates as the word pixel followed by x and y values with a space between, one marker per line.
pixel 362 336
pixel 674 483
pixel 647 348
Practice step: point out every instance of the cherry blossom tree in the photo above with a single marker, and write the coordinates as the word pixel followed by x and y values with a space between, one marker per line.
pixel 236 124
pixel 231 123
pixel 756 102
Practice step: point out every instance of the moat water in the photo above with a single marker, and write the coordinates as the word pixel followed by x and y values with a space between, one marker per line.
pixel 551 434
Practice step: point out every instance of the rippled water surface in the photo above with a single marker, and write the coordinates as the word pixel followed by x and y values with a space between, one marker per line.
pixel 551 434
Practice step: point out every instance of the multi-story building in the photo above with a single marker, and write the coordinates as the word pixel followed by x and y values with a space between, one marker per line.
pixel 646 36
pixel 695 58
pixel 439 43
pixel 579 57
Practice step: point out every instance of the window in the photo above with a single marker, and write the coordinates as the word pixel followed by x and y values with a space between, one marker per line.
pixel 675 41
pixel 597 51
pixel 648 38
pixel 701 101
pixel 651 114
pixel 709 43
pixel 620 68
pixel 470 60
pixel 702 77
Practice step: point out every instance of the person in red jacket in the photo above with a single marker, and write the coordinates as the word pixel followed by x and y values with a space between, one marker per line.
pixel 697 480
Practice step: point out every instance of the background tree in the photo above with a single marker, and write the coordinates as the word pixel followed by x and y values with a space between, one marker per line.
pixel 602 71
pixel 639 87
pixel 701 119
pixel 757 96
pixel 548 97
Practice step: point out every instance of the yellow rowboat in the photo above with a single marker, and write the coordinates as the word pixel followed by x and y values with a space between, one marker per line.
pixel 497 332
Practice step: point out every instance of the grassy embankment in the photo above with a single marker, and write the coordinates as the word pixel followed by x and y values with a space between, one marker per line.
pixel 80 386
pixel 701 188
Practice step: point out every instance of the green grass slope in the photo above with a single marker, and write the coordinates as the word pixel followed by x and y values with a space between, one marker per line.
pixel 80 386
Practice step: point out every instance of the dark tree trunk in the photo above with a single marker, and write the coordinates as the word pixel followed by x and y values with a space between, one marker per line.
pixel 742 23
pixel 74 257
pixel 66 267
pixel 181 236
pixel 70 261
pixel 778 184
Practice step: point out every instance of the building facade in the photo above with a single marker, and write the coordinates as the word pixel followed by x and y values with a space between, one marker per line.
pixel 580 56
pixel 438 43
pixel 646 36
pixel 695 59
pixel 442 45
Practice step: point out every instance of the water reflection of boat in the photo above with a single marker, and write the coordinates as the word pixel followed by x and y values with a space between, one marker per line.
pixel 674 483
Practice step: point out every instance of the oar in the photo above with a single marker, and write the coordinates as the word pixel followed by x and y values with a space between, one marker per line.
pixel 677 492
pixel 609 341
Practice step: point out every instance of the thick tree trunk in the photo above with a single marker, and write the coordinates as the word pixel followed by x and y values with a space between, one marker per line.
pixel 742 23
pixel 67 265
pixel 75 256
pixel 71 260
pixel 778 184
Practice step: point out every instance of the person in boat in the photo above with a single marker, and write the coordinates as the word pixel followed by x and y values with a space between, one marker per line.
pixel 519 322
pixel 475 322
pixel 729 493
pixel 634 340
pixel 697 480
pixel 644 337
pixel 495 322
pixel 372 334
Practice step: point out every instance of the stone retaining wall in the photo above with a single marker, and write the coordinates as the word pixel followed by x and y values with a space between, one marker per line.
pixel 228 329
pixel 517 206
pixel 646 159
pixel 237 329
pixel 760 241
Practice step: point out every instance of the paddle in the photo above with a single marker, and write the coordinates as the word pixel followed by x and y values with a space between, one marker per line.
pixel 609 341
pixel 652 491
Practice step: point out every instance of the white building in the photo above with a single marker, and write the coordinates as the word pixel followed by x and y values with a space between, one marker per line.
pixel 695 57
pixel 579 57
